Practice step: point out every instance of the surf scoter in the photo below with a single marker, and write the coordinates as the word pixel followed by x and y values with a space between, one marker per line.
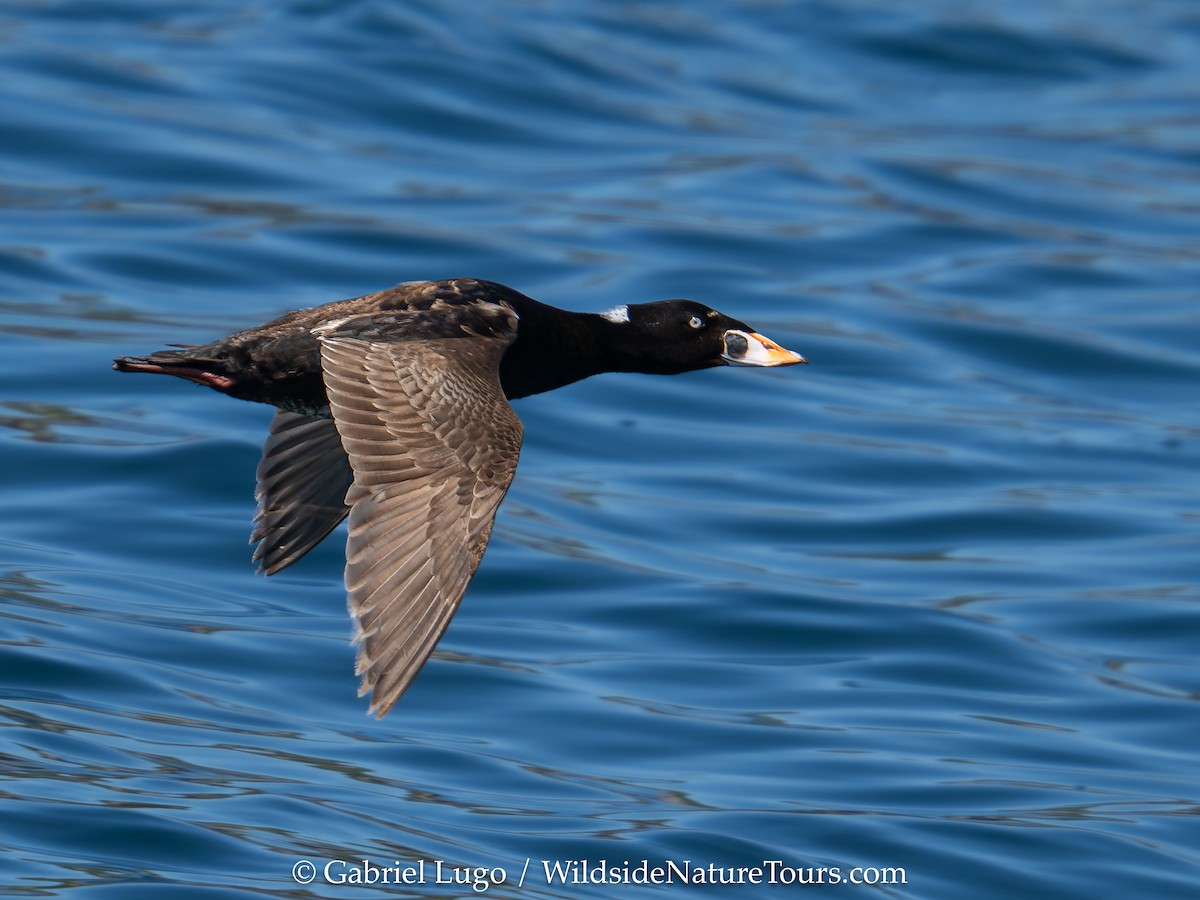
pixel 393 409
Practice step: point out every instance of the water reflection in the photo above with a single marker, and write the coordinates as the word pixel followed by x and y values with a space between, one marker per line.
pixel 57 423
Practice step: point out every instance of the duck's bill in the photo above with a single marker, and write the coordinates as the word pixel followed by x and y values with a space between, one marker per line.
pixel 749 348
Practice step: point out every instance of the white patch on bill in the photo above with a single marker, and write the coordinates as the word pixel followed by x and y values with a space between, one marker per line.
pixel 617 314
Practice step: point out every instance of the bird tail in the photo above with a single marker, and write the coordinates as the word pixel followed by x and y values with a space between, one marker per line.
pixel 183 363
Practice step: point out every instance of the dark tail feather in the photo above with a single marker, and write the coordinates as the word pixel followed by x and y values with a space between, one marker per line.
pixel 179 364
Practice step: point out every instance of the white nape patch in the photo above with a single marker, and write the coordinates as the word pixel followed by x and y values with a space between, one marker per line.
pixel 617 314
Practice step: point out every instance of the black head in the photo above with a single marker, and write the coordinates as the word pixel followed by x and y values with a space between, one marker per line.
pixel 555 347
pixel 673 336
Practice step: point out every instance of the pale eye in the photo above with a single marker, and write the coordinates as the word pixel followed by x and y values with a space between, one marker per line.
pixel 696 322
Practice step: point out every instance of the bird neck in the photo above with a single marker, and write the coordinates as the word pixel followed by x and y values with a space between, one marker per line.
pixel 557 347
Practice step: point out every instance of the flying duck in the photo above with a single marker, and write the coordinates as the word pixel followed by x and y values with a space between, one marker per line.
pixel 393 409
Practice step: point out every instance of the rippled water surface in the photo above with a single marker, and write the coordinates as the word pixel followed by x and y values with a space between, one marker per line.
pixel 931 602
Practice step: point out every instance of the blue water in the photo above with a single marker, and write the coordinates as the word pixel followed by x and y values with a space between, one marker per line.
pixel 931 602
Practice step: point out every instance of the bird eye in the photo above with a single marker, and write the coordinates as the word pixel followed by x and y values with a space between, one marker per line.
pixel 696 322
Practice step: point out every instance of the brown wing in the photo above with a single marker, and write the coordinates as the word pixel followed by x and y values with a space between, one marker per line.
pixel 434 446
pixel 302 482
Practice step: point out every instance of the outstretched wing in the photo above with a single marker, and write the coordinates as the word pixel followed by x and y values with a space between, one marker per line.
pixel 433 444
pixel 302 482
